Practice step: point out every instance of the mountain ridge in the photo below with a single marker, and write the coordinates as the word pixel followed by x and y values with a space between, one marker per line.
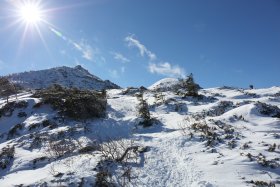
pixel 77 77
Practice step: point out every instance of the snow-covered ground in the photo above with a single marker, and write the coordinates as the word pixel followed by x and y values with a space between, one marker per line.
pixel 174 157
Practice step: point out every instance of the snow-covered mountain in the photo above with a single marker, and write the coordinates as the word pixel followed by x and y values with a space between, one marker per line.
pixel 227 137
pixel 66 76
pixel 166 84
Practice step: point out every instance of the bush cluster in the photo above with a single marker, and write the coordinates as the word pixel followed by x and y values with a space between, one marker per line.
pixel 6 156
pixel 144 112
pixel 74 103
pixel 268 110
pixel 8 109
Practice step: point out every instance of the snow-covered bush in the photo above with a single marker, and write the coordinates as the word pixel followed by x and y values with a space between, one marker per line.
pixel 259 183
pixel 132 90
pixel 50 124
pixel 22 114
pixel 211 132
pixel 190 86
pixel 268 110
pixel 263 161
pixel 57 147
pixel 14 131
pixel 6 156
pixel 143 112
pixel 221 108
pixel 8 109
pixel 6 88
pixel 116 166
pixel 159 98
pixel 74 103
pixel 38 139
pixel 277 94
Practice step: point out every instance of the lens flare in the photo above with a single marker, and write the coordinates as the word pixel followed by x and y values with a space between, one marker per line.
pixel 30 13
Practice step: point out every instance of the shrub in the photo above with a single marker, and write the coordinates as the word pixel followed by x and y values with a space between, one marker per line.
pixel 6 156
pixel 144 113
pixel 50 124
pixel 14 131
pixel 262 183
pixel 34 126
pixel 263 161
pixel 118 155
pixel 268 110
pixel 221 108
pixel 21 104
pixel 88 149
pixel 57 147
pixel 38 139
pixel 190 86
pixel 103 179
pixel 159 98
pixel 39 160
pixel 6 88
pixel 8 109
pixel 22 114
pixel 74 103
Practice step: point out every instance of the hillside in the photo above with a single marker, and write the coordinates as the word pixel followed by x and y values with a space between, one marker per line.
pixel 66 76
pixel 226 137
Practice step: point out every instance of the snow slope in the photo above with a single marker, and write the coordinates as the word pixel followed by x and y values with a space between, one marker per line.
pixel 66 76
pixel 173 158
pixel 166 84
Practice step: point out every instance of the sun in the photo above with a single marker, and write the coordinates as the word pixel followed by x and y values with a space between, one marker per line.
pixel 30 13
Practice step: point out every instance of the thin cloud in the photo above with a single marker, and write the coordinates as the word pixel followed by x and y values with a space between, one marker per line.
pixel 120 57
pixel 155 67
pixel 86 50
pixel 132 42
pixel 166 69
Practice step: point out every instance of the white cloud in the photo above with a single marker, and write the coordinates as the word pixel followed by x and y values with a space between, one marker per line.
pixel 132 42
pixel 120 57
pixel 155 67
pixel 87 51
pixel 166 69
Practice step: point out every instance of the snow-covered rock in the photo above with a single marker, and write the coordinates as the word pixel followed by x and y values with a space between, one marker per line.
pixel 66 76
pixel 166 84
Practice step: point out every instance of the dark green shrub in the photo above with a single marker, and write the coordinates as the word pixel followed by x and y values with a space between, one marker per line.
pixel 6 88
pixel 74 103
pixel 22 114
pixel 268 110
pixel 6 156
pixel 8 109
pixel 190 86
pixel 14 131
pixel 143 111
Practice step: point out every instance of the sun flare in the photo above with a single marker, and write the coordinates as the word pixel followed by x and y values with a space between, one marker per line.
pixel 30 13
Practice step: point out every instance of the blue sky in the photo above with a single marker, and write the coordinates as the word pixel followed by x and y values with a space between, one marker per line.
pixel 137 42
